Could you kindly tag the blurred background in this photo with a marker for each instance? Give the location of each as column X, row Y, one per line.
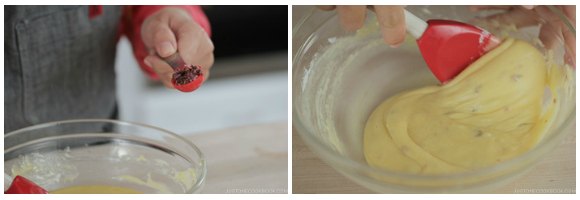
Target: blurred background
column 248, row 82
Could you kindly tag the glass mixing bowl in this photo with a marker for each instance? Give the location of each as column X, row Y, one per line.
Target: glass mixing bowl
column 331, row 102
column 91, row 152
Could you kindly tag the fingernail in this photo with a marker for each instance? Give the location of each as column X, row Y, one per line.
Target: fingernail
column 529, row 7
column 393, row 36
column 166, row 49
column 396, row 45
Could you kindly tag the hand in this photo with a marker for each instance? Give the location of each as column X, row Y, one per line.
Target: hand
column 550, row 26
column 171, row 30
column 391, row 20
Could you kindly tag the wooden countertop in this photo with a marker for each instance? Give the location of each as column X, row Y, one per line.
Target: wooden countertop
column 250, row 159
column 556, row 173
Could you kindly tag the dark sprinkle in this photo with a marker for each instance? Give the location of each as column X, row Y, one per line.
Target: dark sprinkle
column 186, row 75
column 479, row 133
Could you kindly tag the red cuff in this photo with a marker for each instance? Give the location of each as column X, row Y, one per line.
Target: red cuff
column 133, row 19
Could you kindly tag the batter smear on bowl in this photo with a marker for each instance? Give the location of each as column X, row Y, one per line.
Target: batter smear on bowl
column 496, row 109
column 96, row 189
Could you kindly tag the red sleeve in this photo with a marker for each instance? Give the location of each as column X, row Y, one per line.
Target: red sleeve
column 133, row 17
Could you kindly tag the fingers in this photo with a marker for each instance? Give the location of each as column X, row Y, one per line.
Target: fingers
column 195, row 46
column 552, row 27
column 173, row 30
column 164, row 42
column 392, row 23
column 570, row 47
column 476, row 8
column 570, row 12
column 518, row 16
column 529, row 7
column 161, row 68
column 326, row 7
column 159, row 36
column 549, row 35
column 550, row 30
column 391, row 19
column 351, row 17
column 569, row 37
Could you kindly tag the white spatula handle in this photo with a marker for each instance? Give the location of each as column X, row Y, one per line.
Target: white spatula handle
column 415, row 25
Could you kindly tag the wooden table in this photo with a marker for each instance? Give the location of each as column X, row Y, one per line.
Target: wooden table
column 556, row 173
column 251, row 159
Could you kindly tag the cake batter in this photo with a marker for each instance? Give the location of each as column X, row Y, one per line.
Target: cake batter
column 56, row 168
column 491, row 112
column 95, row 189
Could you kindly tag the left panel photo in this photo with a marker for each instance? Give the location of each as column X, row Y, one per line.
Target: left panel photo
column 145, row 99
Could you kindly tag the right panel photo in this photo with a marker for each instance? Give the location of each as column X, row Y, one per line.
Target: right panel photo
column 433, row 99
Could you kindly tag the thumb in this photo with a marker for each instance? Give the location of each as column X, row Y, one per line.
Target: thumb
column 163, row 39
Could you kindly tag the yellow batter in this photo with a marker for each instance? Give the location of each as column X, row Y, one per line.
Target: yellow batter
column 489, row 113
column 95, row 189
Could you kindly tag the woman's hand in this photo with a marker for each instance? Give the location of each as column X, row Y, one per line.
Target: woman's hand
column 550, row 24
column 172, row 30
column 391, row 20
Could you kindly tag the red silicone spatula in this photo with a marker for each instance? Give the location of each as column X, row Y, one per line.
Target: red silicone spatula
column 448, row 46
column 21, row 185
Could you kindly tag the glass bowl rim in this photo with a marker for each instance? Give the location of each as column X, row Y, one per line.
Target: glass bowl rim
column 345, row 161
column 199, row 182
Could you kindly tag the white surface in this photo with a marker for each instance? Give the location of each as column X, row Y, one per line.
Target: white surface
column 218, row 104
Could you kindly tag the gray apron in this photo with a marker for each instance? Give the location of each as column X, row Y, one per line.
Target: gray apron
column 59, row 64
